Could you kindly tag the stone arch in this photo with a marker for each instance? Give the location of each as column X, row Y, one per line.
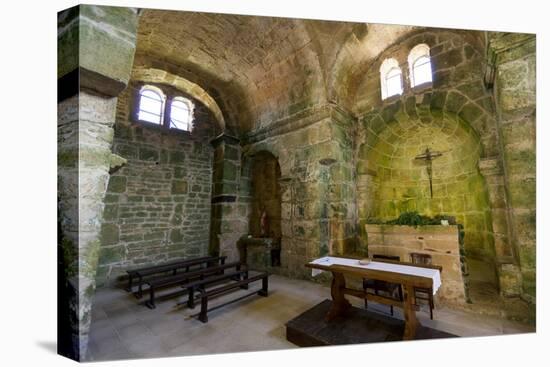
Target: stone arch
column 259, row 148
column 391, row 181
column 153, row 75
column 456, row 57
column 261, row 68
column 473, row 114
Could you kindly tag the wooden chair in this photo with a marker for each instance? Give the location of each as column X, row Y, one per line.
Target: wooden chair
column 424, row 294
column 392, row 289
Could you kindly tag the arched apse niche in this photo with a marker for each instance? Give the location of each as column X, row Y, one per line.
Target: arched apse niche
column 396, row 182
column 457, row 92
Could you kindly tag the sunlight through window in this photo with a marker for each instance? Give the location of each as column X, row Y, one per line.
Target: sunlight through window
column 390, row 78
column 420, row 66
column 181, row 114
column 150, row 105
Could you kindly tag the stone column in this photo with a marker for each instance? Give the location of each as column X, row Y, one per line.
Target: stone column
column 227, row 225
column 96, row 47
column 507, row 267
column 514, row 59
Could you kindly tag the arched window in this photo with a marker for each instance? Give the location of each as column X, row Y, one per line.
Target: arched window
column 151, row 105
column 420, row 66
column 390, row 78
column 181, row 114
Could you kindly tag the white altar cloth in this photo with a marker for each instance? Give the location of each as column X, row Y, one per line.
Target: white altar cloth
column 375, row 265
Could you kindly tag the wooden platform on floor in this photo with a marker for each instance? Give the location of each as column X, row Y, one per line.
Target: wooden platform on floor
column 359, row 326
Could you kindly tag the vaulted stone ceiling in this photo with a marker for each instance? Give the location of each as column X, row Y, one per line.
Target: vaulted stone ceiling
column 262, row 69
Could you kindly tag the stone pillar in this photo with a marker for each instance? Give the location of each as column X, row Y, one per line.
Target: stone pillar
column 514, row 59
column 508, row 270
column 227, row 225
column 96, row 47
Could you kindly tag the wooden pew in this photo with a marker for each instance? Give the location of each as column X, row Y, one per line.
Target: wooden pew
column 201, row 284
column 172, row 266
column 183, row 278
column 205, row 295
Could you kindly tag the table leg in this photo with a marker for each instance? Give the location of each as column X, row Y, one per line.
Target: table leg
column 339, row 303
column 411, row 322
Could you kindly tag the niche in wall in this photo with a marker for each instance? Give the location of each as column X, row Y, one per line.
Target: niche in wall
column 266, row 195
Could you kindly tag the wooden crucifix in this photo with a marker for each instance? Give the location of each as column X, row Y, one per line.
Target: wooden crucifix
column 428, row 156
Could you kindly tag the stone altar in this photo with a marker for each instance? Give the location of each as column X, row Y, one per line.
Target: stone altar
column 442, row 243
column 260, row 253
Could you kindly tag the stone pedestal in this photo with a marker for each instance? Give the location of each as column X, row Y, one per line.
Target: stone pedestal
column 442, row 243
column 260, row 253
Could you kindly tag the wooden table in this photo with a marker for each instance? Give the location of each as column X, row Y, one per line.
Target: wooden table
column 338, row 290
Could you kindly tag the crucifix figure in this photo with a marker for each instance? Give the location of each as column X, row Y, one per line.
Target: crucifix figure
column 428, row 156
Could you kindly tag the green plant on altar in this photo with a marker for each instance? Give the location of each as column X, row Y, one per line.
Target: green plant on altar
column 414, row 219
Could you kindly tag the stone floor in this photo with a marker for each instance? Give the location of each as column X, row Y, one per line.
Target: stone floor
column 123, row 329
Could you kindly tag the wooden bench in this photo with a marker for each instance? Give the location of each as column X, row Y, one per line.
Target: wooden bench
column 173, row 267
column 205, row 295
column 183, row 278
column 201, row 284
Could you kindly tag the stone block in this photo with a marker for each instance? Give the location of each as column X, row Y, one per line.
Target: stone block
column 470, row 112
column 112, row 254
column 148, row 154
column 106, row 32
column 229, row 171
column 447, row 59
column 179, row 187
column 523, row 192
column 509, row 280
column 176, row 235
column 177, row 157
column 127, row 151
column 68, row 41
column 117, row 184
column 454, row 102
column 110, row 212
column 521, row 161
column 231, row 153
column 109, row 233
column 180, row 172
column 529, row 283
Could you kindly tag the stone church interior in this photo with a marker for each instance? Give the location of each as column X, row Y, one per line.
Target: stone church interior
column 295, row 182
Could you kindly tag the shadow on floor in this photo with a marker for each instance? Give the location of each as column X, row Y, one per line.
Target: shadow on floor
column 48, row 345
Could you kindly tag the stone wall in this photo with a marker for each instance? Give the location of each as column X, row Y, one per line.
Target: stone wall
column 157, row 206
column 317, row 190
column 514, row 57
column 454, row 115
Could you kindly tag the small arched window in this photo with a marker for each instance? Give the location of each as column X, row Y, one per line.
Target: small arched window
column 181, row 114
column 420, row 66
column 151, row 105
column 390, row 78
